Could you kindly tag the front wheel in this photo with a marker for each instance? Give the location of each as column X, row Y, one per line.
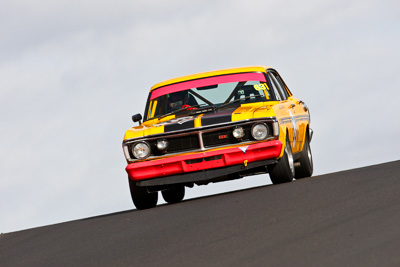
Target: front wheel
column 174, row 194
column 142, row 198
column 283, row 171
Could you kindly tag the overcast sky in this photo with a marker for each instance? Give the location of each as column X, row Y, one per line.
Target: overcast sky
column 72, row 73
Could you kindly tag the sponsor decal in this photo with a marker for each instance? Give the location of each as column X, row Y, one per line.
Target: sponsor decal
column 224, row 136
column 183, row 120
column 177, row 124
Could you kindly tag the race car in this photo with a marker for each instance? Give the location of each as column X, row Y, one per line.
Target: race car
column 216, row 126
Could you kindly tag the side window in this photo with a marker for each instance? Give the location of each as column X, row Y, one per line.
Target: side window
column 277, row 92
column 279, row 86
column 279, row 79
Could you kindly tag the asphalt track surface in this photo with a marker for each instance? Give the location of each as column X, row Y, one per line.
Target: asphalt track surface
column 349, row 218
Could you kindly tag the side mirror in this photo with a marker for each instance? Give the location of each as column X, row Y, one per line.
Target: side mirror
column 137, row 117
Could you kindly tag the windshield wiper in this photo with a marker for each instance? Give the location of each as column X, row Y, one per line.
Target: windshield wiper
column 177, row 111
column 202, row 110
column 237, row 100
column 195, row 111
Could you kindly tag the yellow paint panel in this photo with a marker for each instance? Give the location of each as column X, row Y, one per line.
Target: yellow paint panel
column 282, row 137
column 197, row 121
column 141, row 131
column 153, row 111
column 264, row 111
column 243, row 113
column 253, row 110
column 154, row 130
column 134, row 132
column 149, row 110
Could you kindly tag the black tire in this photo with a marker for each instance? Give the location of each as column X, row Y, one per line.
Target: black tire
column 174, row 194
column 141, row 197
column 283, row 171
column 306, row 167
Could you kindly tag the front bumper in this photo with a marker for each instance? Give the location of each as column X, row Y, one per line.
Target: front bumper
column 175, row 165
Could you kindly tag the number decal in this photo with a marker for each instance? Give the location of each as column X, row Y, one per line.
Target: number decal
column 261, row 86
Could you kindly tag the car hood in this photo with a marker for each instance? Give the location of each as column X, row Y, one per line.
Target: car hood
column 172, row 124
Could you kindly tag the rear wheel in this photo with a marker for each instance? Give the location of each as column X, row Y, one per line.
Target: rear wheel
column 142, row 198
column 283, row 171
column 306, row 162
column 174, row 194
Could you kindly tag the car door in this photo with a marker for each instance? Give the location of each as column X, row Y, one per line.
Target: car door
column 298, row 113
column 287, row 109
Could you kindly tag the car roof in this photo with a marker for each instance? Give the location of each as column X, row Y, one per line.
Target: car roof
column 210, row 74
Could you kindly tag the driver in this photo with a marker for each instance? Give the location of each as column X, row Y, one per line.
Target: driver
column 179, row 100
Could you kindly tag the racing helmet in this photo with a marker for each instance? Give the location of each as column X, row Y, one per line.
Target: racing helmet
column 177, row 99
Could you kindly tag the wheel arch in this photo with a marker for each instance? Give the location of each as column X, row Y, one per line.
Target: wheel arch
column 283, row 134
column 303, row 136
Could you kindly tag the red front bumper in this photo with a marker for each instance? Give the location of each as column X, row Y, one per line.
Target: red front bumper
column 204, row 160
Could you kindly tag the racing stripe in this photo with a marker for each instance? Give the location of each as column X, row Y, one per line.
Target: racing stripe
column 217, row 117
column 179, row 125
column 296, row 118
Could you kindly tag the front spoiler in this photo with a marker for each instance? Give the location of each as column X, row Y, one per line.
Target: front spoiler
column 195, row 163
column 204, row 176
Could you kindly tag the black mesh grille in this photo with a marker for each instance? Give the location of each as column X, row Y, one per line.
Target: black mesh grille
column 176, row 144
column 224, row 137
column 183, row 143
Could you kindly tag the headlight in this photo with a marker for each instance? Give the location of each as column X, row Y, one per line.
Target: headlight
column 238, row 132
column 162, row 144
column 259, row 131
column 141, row 150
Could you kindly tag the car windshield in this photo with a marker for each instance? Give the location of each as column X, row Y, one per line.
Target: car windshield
column 207, row 94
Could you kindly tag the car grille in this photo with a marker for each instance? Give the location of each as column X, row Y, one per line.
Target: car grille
column 177, row 144
column 210, row 138
column 183, row 143
column 224, row 137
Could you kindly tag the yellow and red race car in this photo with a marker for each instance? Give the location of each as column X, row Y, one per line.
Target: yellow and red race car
column 216, row 126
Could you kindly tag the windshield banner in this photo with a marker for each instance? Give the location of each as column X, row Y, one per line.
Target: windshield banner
column 240, row 77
